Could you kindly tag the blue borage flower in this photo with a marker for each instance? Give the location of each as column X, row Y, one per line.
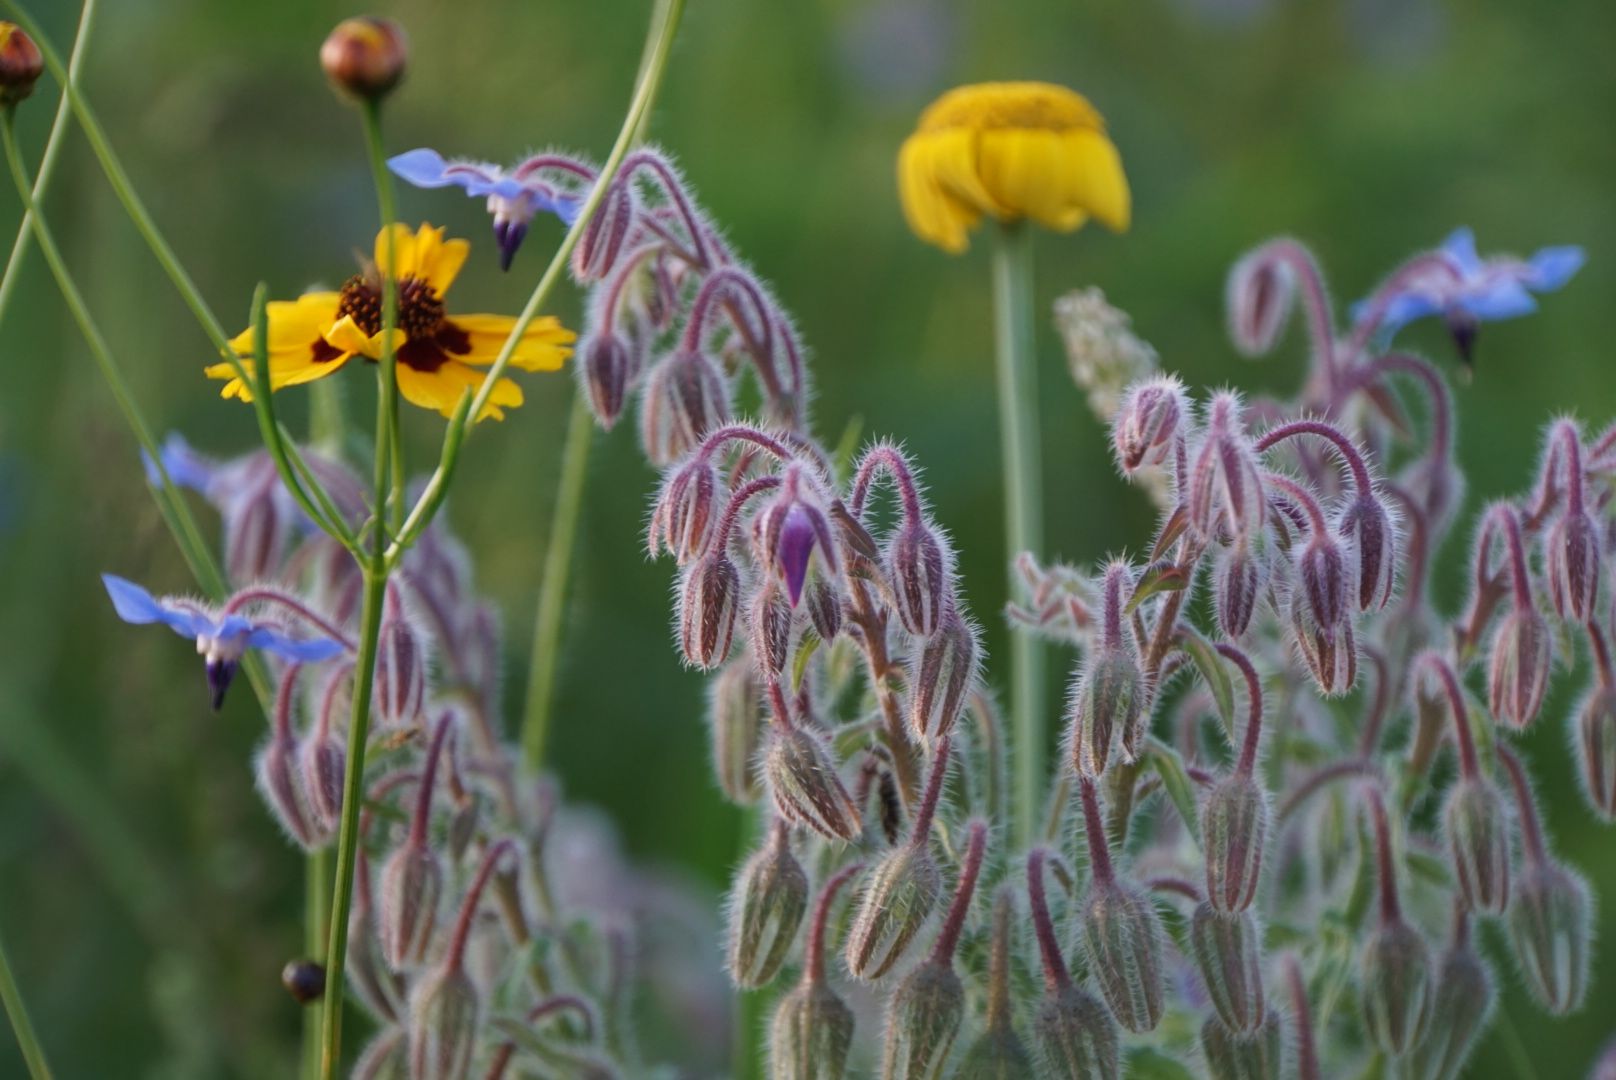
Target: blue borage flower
column 1466, row 289
column 514, row 195
column 221, row 637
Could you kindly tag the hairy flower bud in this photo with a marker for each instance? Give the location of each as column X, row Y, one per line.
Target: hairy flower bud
column 787, row 533
column 280, row 784
column 1226, row 493
column 1595, row 742
column 684, row 397
column 900, row 893
column 1122, row 936
column 1367, row 528
column 1331, row 653
column 1228, row 954
column 1460, row 1009
column 1477, row 825
column 365, row 56
column 922, row 1021
column 824, row 609
column 1259, row 297
column 1234, row 830
column 766, row 908
column 1321, row 567
column 922, row 580
column 400, row 686
column 411, row 884
column 1395, row 987
column 385, row 1057
column 806, row 788
column 769, row 627
column 709, row 600
column 734, row 713
column 1573, row 550
column 606, row 370
column 1237, row 581
column 1549, row 929
column 1076, row 1036
column 602, row 240
column 323, row 762
column 255, row 533
column 996, row 1054
column 811, row 1034
column 370, row 977
column 687, row 511
column 445, row 1012
column 1148, row 422
column 945, row 676
column 1109, row 703
column 20, row 64
column 1518, row 667
column 1231, row 1056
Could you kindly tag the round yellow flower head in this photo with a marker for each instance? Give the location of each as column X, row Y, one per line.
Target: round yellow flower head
column 439, row 353
column 1009, row 150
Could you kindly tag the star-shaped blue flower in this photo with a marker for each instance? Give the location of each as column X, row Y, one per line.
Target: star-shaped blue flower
column 513, row 197
column 221, row 640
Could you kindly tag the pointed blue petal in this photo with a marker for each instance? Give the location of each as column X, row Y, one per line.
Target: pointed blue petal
column 1460, row 246
column 424, row 168
column 304, row 650
column 135, row 605
column 1552, row 267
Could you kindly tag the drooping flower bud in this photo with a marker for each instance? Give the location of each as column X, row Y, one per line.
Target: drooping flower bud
column 1321, row 568
column 922, row 579
column 1460, row 1010
column 412, row 876
column 1237, row 582
column 766, row 908
column 790, row 530
column 806, row 787
column 824, row 609
column 769, row 628
column 685, row 396
column 255, row 532
column 1518, row 667
column 998, row 1053
column 1108, row 702
column 385, row 1057
column 948, row 669
column 1477, row 826
column 1234, row 831
column 1331, row 653
column 602, row 241
column 1548, row 928
column 1395, row 987
column 323, row 763
column 1259, row 297
column 709, row 600
column 444, row 1014
column 1226, row 492
column 20, row 64
column 1573, row 566
column 687, row 511
column 1148, row 422
column 1231, row 1056
column 370, row 977
column 812, row 1030
column 606, row 370
column 1370, row 535
column 365, row 56
column 1229, row 956
column 1120, row 930
column 735, row 717
column 280, row 784
column 400, row 686
column 1076, row 1036
column 901, row 891
column 1595, row 742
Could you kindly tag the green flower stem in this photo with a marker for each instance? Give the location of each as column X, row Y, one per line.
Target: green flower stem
column 389, row 446
column 316, row 871
column 553, row 583
column 47, row 161
column 651, row 78
column 281, row 451
column 32, row 1053
column 1023, row 491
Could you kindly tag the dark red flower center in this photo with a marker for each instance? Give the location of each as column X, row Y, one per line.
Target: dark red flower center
column 432, row 339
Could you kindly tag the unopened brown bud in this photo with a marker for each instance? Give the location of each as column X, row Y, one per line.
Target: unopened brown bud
column 947, row 672
column 1076, row 1036
column 1459, row 1013
column 20, row 64
column 1229, row 955
column 1395, row 987
column 411, row 885
column 734, row 713
column 445, row 1013
column 1122, row 935
column 769, row 627
column 824, row 609
column 1108, row 705
column 1596, row 749
column 1234, row 830
column 1478, row 837
column 766, row 908
column 1548, row 927
column 806, row 787
column 365, row 56
column 709, row 601
column 922, row 1022
column 899, row 896
column 811, row 1034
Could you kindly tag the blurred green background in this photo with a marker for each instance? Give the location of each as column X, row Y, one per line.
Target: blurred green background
column 147, row 900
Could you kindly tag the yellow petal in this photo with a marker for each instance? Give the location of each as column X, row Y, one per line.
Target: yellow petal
column 345, row 334
column 446, row 264
column 402, row 264
column 285, row 369
column 293, row 323
column 543, row 346
column 932, row 216
column 441, row 389
column 1102, row 188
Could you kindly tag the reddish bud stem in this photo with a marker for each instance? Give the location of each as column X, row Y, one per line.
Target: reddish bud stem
column 934, row 791
column 1531, row 825
column 948, row 938
column 1391, row 909
column 1094, row 828
column 456, row 954
column 1307, row 1054
column 1468, row 764
column 1343, row 445
column 1056, row 975
column 813, row 957
column 1248, row 746
column 429, row 779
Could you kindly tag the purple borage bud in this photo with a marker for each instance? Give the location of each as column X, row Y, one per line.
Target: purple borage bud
column 998, row 1053
column 735, row 716
column 1394, row 966
column 766, row 908
column 1238, row 577
column 921, row 572
column 607, row 368
column 1074, row 1032
column 1260, row 293
column 812, row 1030
column 685, row 395
column 710, row 598
column 1460, row 1008
column 802, row 776
column 1226, row 494
column 685, row 513
column 222, row 637
column 1147, row 425
column 1120, row 931
column 1595, row 736
column 400, row 683
column 1228, row 955
column 1234, row 814
column 1572, row 546
column 948, row 671
column 790, row 530
column 769, row 627
column 1519, row 657
column 412, row 877
column 603, row 238
column 1110, row 698
column 824, row 609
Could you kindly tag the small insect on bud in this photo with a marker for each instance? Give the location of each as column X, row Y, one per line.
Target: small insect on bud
column 1331, row 653
column 1367, row 529
column 1259, row 298
column 1231, row 1056
column 806, row 787
column 709, row 600
column 445, row 1012
column 1595, row 741
column 684, row 397
column 20, row 64
column 1518, row 667
column 1148, row 422
column 824, row 609
column 1477, row 825
column 735, row 717
column 1237, row 581
column 1228, row 954
column 1226, row 497
column 304, row 980
column 1548, row 927
column 602, row 241
column 1076, row 1036
column 400, row 687
column 1395, row 986
column 769, row 627
column 365, row 56
column 1234, row 830
column 1462, row 1005
column 945, row 677
column 922, row 579
column 686, row 511
column 766, row 908
column 607, row 368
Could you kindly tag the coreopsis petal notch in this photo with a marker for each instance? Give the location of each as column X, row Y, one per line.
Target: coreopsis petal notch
column 440, row 356
column 1010, row 151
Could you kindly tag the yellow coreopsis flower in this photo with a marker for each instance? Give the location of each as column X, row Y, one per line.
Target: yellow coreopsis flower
column 438, row 354
column 1010, row 151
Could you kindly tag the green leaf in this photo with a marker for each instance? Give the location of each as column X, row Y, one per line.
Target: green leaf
column 1423, row 864
column 1148, row 1063
column 1214, row 674
column 1158, row 577
column 1176, row 782
column 805, row 651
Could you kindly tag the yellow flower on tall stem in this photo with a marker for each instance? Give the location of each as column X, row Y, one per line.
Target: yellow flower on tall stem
column 1014, row 152
column 438, row 355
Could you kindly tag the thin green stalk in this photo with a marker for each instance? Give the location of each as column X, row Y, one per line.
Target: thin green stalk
column 11, row 997
column 316, row 871
column 47, row 160
column 639, row 107
column 1023, row 491
column 389, row 446
column 553, row 585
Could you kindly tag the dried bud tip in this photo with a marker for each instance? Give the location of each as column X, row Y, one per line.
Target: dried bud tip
column 365, row 56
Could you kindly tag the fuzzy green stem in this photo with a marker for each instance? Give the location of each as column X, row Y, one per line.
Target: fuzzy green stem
column 1023, row 489
column 27, row 1041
